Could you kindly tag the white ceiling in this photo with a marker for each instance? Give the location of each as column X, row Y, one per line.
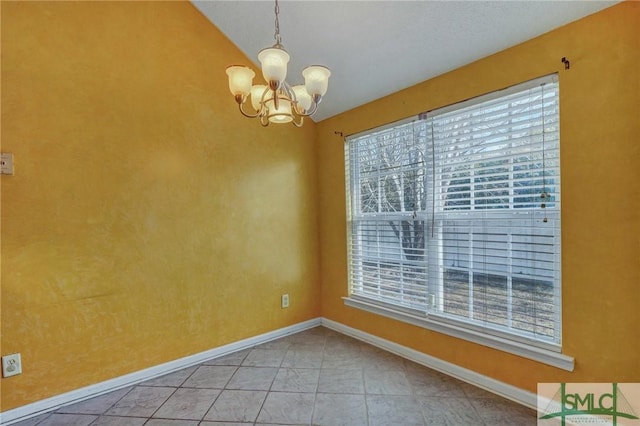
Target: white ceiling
column 375, row 48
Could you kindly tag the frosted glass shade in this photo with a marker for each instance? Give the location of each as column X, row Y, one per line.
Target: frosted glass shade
column 282, row 114
column 316, row 79
column 303, row 98
column 240, row 79
column 274, row 64
column 256, row 95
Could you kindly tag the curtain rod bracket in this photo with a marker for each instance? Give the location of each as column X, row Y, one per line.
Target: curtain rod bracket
column 566, row 63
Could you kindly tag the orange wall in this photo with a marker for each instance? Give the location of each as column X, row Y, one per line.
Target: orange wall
column 600, row 154
column 147, row 219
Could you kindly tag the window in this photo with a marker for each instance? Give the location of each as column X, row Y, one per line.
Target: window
column 454, row 217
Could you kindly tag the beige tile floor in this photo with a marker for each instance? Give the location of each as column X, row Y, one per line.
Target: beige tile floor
column 316, row 377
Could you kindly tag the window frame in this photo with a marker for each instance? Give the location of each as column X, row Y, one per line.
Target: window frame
column 548, row 352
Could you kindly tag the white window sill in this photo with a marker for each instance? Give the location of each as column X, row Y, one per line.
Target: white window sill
column 544, row 356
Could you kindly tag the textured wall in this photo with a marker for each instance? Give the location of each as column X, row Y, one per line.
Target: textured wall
column 600, row 154
column 147, row 220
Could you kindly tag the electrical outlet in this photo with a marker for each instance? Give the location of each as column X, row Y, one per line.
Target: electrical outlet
column 6, row 163
column 11, row 365
column 285, row 301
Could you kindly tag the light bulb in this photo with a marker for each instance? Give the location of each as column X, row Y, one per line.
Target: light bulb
column 240, row 79
column 256, row 95
column 274, row 65
column 316, row 79
column 282, row 114
column 303, row 98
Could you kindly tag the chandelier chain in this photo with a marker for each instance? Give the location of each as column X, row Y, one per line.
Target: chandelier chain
column 276, row 36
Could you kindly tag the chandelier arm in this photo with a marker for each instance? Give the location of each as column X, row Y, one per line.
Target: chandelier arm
column 265, row 92
column 291, row 97
column 314, row 107
column 276, row 100
column 245, row 114
column 298, row 124
column 288, row 91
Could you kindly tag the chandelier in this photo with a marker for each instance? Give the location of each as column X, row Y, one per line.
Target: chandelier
column 277, row 101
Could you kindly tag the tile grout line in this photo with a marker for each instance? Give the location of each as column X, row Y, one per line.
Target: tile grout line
column 175, row 391
column 237, row 367
column 111, row 406
column 315, row 394
column 255, row 421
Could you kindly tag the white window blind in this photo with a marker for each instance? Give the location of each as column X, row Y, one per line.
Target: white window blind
column 388, row 175
column 456, row 215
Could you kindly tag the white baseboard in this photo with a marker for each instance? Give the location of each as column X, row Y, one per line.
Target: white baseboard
column 55, row 402
column 505, row 390
column 520, row 396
